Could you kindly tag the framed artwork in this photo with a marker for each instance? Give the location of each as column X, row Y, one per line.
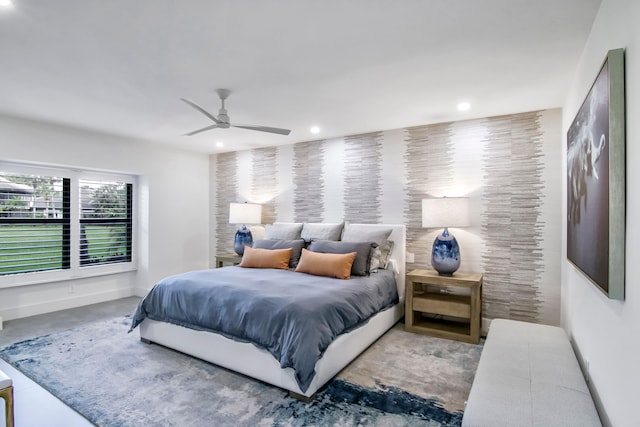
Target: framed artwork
column 596, row 181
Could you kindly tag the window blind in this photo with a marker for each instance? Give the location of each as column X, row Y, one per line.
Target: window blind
column 34, row 223
column 105, row 222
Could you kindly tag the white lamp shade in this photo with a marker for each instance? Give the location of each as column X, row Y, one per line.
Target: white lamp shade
column 445, row 212
column 245, row 213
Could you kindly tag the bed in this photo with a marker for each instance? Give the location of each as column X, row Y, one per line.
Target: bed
column 257, row 360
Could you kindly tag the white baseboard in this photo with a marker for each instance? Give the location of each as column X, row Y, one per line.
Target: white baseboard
column 63, row 304
column 140, row 292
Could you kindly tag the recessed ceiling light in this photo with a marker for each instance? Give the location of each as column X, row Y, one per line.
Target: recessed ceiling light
column 314, row 129
column 219, row 144
column 464, row 106
column 5, row 3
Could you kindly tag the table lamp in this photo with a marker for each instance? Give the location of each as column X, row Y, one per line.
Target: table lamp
column 244, row 213
column 445, row 212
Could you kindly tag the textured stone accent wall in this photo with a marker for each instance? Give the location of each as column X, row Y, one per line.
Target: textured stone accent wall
column 226, row 170
column 511, row 225
column 499, row 163
column 308, row 181
column 363, row 185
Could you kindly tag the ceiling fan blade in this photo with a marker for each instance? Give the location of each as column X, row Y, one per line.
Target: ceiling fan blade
column 201, row 130
column 202, row 110
column 264, row 129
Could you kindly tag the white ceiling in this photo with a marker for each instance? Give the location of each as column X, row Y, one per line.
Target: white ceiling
column 120, row 66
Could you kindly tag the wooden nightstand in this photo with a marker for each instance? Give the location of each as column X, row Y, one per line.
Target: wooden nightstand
column 232, row 259
column 431, row 309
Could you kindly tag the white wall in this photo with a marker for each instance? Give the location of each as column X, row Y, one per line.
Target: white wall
column 606, row 333
column 173, row 208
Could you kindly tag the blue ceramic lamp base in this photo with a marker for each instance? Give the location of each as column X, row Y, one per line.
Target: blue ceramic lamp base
column 243, row 238
column 445, row 258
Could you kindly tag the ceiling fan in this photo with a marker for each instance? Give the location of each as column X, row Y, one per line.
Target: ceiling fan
column 222, row 121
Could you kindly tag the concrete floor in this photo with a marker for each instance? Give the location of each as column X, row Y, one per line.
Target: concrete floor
column 33, row 405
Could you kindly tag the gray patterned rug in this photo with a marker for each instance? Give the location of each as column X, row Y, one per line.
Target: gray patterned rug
column 113, row 379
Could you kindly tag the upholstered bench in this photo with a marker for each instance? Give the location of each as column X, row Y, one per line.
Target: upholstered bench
column 6, row 393
column 528, row 375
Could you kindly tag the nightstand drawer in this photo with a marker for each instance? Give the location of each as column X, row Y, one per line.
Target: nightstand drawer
column 449, row 305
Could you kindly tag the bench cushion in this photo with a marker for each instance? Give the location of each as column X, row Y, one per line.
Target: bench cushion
column 528, row 375
column 5, row 381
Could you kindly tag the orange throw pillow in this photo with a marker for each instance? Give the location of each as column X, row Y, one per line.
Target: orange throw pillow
column 266, row 258
column 330, row 265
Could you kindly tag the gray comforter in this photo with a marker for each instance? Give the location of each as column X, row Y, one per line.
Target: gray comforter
column 294, row 316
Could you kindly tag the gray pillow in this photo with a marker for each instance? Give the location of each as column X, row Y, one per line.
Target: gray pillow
column 296, row 245
column 283, row 231
column 363, row 250
column 381, row 254
column 322, row 231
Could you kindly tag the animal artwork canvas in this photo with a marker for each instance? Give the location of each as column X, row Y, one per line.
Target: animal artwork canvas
column 590, row 207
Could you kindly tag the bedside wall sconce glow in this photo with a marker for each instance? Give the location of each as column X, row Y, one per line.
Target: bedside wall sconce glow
column 244, row 213
column 445, row 212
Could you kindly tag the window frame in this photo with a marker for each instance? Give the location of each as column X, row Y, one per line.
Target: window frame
column 75, row 270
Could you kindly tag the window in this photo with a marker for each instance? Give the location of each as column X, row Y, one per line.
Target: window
column 58, row 224
column 105, row 222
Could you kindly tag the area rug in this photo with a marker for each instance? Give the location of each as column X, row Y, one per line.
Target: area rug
column 113, row 379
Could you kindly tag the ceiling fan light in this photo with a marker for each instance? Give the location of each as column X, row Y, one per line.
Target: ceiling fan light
column 314, row 130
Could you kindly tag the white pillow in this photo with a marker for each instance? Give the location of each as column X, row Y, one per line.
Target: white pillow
column 321, row 231
column 283, row 231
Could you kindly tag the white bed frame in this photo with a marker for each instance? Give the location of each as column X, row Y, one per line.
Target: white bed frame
column 250, row 360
